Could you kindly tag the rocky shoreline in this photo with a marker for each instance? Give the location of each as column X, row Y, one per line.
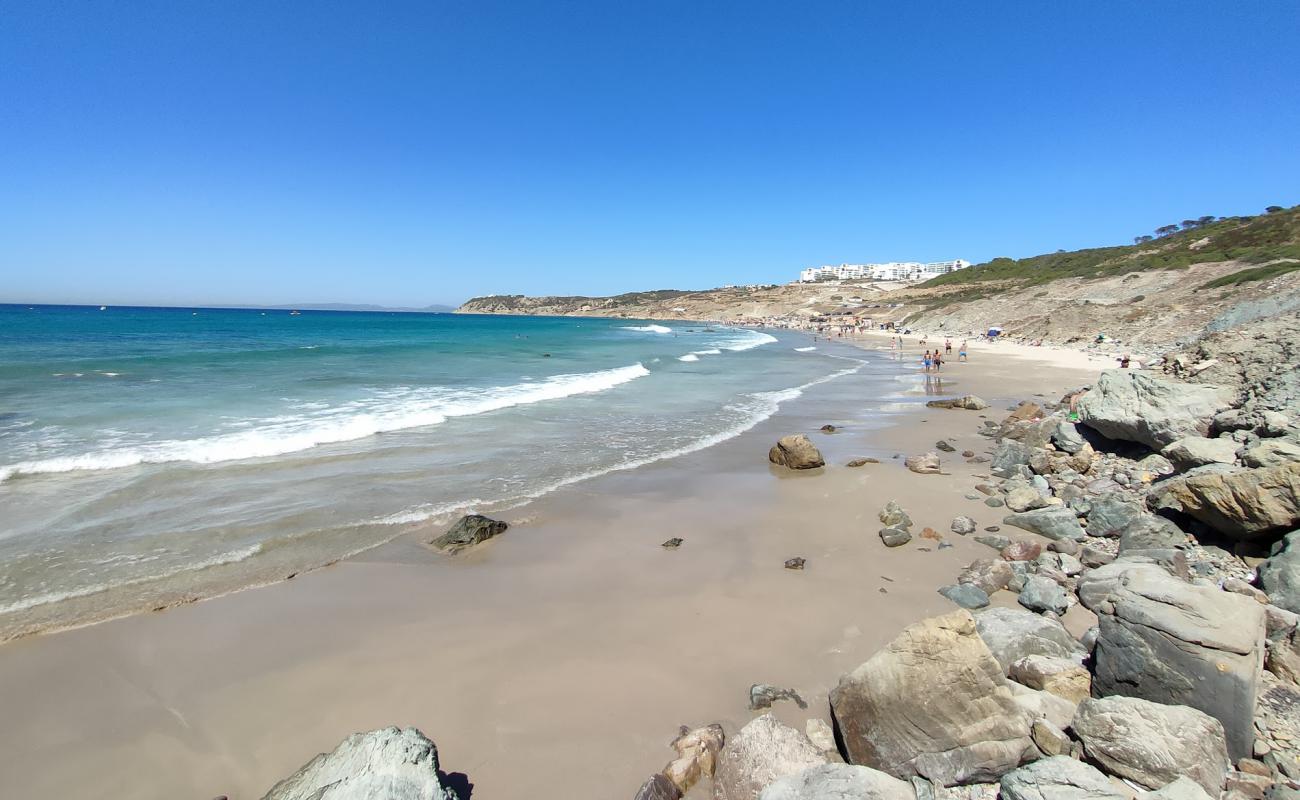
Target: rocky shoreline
column 1164, row 509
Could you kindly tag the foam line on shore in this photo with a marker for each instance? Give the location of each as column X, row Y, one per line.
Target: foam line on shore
column 387, row 412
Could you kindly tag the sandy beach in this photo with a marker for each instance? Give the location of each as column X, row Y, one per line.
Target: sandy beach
column 559, row 659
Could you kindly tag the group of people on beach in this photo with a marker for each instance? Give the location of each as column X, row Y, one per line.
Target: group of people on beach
column 934, row 360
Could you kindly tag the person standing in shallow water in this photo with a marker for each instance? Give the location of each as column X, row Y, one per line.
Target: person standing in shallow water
column 947, row 347
column 961, row 354
column 938, row 360
column 925, row 359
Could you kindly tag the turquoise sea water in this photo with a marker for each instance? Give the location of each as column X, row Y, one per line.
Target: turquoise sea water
column 140, row 446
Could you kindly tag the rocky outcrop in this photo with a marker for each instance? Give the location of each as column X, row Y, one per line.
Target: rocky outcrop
column 1180, row 789
column 1196, row 451
column 1280, row 574
column 1053, row 523
column 468, row 531
column 658, row 787
column 1012, row 634
column 1153, row 743
column 1063, row 677
column 839, row 782
column 934, row 704
column 1109, row 516
column 760, row 753
column 987, row 574
column 390, row 763
column 1009, row 457
column 796, row 452
column 697, row 756
column 1041, row 593
column 1169, row 641
column 1243, row 504
column 1058, row 778
column 1136, row 407
column 969, row 402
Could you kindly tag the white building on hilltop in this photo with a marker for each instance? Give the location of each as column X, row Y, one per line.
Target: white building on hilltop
column 890, row 271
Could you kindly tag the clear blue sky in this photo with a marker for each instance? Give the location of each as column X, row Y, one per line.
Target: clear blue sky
column 410, row 153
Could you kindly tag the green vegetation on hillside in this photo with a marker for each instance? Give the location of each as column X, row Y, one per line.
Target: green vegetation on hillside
column 1267, row 237
column 522, row 302
column 1252, row 274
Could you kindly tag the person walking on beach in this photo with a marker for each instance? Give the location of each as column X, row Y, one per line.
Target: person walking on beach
column 925, row 359
column 938, row 360
column 947, row 347
column 961, row 353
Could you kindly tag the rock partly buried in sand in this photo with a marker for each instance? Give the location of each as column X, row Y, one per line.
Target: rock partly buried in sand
column 944, row 446
column 761, row 696
column 795, row 563
column 392, row 763
column 1280, row 574
column 1169, row 641
column 658, row 787
column 1153, row 743
column 895, row 536
column 1242, row 504
column 966, row 595
column 962, row 525
column 858, row 462
column 796, row 452
column 839, row 782
column 893, row 515
column 697, row 756
column 672, row 544
column 927, row 464
column 933, row 704
column 759, row 754
column 1136, row 407
column 968, row 402
column 468, row 531
column 828, row 429
column 1058, row 778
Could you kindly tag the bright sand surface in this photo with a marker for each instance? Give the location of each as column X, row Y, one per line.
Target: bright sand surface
column 556, row 661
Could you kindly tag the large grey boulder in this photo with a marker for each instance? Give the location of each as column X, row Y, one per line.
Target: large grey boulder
column 1169, row 641
column 468, row 531
column 1013, row 633
column 1109, row 515
column 1271, row 453
column 1242, row 503
column 1153, row 743
column 1149, row 532
column 1136, row 407
column 796, row 452
column 760, row 753
column 1043, row 594
column 390, row 763
column 1053, row 523
column 1280, row 574
column 933, row 704
column 1196, row 451
column 839, row 782
column 1058, row 778
column 1008, row 457
column 1067, row 438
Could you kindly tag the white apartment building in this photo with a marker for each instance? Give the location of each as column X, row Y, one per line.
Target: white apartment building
column 890, row 271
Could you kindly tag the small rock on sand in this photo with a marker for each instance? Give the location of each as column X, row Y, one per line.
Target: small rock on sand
column 795, row 563
column 468, row 531
column 761, row 696
column 673, row 543
column 927, row 464
column 858, row 462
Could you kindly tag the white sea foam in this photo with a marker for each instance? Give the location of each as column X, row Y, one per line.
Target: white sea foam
column 754, row 339
column 804, row 349
column 688, row 357
column 759, row 407
column 648, row 328
column 711, row 352
column 392, row 410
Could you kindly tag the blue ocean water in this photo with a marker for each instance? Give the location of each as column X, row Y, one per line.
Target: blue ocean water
column 139, row 446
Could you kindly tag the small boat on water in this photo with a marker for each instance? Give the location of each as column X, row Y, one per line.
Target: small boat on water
column 103, row 308
column 295, row 313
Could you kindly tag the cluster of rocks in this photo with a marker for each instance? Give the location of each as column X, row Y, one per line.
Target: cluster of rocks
column 1186, row 686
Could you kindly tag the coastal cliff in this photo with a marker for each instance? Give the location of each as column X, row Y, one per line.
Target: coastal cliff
column 1147, row 297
